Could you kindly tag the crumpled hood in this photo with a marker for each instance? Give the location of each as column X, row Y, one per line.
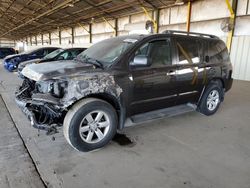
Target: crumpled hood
column 50, row 70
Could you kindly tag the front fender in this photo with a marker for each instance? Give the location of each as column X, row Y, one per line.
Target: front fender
column 81, row 87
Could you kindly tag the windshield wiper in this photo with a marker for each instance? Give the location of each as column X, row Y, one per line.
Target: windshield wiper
column 90, row 60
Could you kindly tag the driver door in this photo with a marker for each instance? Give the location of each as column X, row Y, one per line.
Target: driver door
column 153, row 83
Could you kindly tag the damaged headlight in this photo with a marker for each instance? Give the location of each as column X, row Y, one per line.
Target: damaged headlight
column 59, row 88
column 54, row 87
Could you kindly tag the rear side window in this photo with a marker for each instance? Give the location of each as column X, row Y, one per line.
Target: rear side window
column 188, row 50
column 51, row 50
column 39, row 52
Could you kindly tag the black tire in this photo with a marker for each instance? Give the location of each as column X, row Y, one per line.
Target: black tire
column 76, row 115
column 203, row 106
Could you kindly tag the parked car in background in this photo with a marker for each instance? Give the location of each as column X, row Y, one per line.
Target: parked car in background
column 124, row 81
column 59, row 54
column 5, row 51
column 11, row 62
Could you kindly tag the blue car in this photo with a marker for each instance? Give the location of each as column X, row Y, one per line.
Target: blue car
column 11, row 62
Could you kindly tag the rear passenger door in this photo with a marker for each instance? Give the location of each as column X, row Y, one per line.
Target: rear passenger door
column 190, row 74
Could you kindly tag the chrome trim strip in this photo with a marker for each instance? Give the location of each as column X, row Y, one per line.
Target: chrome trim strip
column 187, row 93
column 154, row 99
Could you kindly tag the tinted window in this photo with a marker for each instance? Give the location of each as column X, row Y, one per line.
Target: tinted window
column 158, row 52
column 39, row 52
column 51, row 50
column 188, row 50
column 217, row 51
column 53, row 54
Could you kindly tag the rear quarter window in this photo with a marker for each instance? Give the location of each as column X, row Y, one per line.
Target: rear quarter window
column 217, row 51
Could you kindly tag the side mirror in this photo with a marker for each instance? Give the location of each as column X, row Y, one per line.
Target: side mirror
column 140, row 61
column 207, row 58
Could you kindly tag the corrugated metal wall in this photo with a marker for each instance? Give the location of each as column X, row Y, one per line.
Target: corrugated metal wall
column 240, row 57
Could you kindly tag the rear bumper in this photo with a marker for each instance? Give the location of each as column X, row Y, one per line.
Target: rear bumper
column 228, row 84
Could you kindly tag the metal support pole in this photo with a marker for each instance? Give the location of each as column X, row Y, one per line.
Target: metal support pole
column 73, row 35
column 42, row 38
column 189, row 6
column 157, row 19
column 232, row 10
column 60, row 37
column 90, row 33
column 113, row 27
column 116, row 27
column 30, row 41
column 49, row 38
column 83, row 27
column 150, row 17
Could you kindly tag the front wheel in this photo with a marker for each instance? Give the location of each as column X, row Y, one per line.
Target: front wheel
column 90, row 124
column 211, row 99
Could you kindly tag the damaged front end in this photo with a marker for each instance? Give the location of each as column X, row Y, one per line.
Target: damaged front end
column 46, row 102
column 40, row 104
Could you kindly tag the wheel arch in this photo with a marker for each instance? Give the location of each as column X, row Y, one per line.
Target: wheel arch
column 215, row 80
column 114, row 101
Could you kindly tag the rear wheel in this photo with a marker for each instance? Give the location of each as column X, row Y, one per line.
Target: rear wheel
column 90, row 124
column 211, row 99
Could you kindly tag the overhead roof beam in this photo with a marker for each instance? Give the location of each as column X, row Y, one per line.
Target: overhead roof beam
column 94, row 14
column 56, row 8
column 6, row 10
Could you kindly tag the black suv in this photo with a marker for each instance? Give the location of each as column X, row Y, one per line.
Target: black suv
column 123, row 81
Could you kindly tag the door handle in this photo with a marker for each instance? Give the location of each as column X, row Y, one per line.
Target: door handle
column 170, row 73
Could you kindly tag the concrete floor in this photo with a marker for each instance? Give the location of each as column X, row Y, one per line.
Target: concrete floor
column 191, row 150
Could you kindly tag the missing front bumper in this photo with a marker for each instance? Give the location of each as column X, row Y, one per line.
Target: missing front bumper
column 50, row 128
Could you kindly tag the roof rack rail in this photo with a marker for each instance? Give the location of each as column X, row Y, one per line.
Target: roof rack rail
column 189, row 33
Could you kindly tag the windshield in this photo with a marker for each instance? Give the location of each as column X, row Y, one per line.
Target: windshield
column 53, row 54
column 106, row 51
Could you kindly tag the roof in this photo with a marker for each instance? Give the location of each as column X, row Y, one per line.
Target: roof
column 21, row 18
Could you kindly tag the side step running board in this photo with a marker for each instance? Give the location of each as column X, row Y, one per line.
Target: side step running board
column 157, row 114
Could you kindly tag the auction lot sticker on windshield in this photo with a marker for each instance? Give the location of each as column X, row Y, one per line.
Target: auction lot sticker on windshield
column 130, row 40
